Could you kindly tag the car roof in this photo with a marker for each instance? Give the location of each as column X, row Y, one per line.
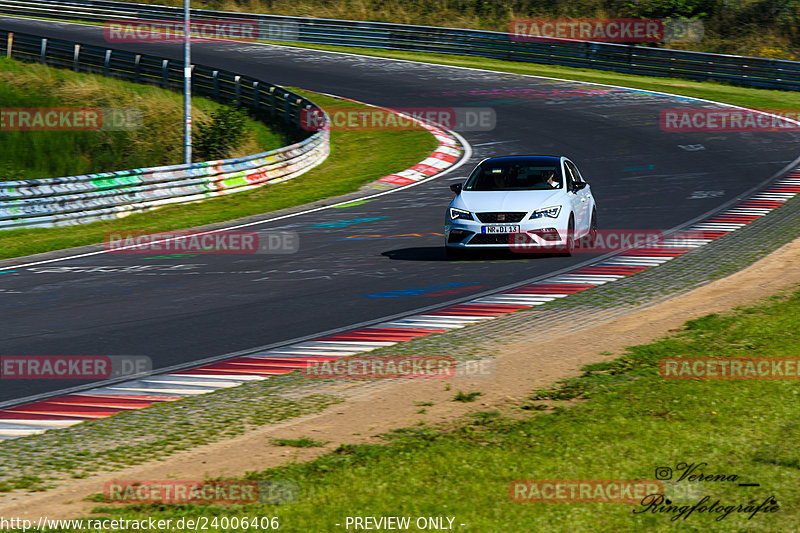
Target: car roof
column 524, row 159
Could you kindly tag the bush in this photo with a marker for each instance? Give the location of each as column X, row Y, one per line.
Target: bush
column 218, row 137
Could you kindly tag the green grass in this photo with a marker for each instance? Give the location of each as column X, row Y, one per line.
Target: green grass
column 467, row 397
column 302, row 442
column 357, row 157
column 157, row 141
column 630, row 422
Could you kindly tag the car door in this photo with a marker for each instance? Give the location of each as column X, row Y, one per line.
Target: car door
column 574, row 199
column 584, row 199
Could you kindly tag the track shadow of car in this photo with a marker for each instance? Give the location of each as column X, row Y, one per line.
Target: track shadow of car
column 420, row 253
column 437, row 253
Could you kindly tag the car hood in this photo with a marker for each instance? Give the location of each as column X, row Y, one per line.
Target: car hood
column 481, row 201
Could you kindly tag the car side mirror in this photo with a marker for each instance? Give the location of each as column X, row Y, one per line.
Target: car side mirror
column 579, row 186
column 456, row 188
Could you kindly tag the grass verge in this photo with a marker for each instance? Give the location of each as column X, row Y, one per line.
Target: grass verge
column 619, row 420
column 156, row 141
column 357, row 157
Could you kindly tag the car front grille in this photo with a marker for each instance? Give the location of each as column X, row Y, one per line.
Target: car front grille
column 494, row 217
column 490, row 238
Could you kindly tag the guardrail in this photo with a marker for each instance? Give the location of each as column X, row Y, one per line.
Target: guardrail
column 80, row 199
column 650, row 61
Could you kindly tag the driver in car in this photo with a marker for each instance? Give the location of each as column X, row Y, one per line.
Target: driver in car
column 550, row 178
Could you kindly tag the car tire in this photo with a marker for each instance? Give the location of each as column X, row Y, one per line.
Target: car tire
column 593, row 227
column 566, row 250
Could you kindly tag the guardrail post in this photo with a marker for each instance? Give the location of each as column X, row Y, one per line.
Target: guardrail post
column 287, row 107
column 10, row 44
column 43, row 52
column 136, row 63
column 273, row 107
column 165, row 73
column 592, row 52
column 237, row 84
column 256, row 94
column 107, row 64
column 273, row 101
column 215, row 78
column 75, row 56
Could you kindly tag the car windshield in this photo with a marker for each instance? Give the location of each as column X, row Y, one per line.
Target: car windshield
column 514, row 176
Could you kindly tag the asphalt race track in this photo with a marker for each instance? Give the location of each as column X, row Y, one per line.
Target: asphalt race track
column 187, row 308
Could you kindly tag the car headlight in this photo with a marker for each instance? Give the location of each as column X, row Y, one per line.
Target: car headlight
column 551, row 212
column 456, row 214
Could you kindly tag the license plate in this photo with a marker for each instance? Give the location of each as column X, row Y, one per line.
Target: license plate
column 500, row 229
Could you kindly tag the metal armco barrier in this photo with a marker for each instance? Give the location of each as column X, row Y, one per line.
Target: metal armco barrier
column 746, row 71
column 79, row 199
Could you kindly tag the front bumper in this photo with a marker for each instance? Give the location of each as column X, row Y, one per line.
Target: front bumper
column 535, row 235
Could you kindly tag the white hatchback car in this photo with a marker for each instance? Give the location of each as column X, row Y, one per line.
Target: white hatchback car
column 525, row 203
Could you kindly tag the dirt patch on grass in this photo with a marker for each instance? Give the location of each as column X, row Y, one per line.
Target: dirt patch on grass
column 522, row 366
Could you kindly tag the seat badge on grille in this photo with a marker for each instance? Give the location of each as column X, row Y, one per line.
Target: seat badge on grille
column 501, row 217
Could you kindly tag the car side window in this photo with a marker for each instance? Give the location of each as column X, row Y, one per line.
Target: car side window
column 569, row 176
column 575, row 172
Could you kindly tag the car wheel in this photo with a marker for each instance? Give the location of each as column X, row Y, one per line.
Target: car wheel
column 570, row 245
column 593, row 227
